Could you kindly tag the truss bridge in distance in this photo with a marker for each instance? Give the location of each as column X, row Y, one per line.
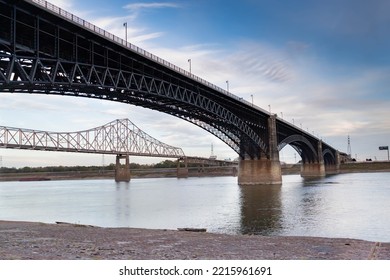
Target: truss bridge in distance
column 120, row 137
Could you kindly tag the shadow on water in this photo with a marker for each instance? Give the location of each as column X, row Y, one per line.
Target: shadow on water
column 261, row 209
column 319, row 181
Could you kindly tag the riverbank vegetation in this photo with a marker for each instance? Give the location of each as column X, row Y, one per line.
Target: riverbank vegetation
column 26, row 169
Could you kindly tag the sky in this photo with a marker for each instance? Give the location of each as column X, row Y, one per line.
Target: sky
column 324, row 65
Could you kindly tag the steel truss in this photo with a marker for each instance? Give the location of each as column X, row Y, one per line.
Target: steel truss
column 117, row 137
column 44, row 49
column 50, row 76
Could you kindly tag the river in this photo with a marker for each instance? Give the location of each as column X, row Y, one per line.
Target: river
column 354, row 205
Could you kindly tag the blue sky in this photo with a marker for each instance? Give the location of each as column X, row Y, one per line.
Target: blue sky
column 323, row 64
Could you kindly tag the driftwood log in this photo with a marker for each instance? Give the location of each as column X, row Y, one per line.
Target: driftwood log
column 192, row 229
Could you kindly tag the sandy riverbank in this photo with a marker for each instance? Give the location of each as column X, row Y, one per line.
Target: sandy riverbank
column 25, row 240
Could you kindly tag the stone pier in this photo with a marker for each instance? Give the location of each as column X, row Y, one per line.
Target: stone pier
column 317, row 168
column 182, row 168
column 265, row 170
column 122, row 172
column 333, row 168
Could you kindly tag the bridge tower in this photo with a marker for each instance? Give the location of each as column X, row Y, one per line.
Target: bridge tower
column 264, row 170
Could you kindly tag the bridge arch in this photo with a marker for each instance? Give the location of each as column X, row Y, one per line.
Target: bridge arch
column 141, row 90
column 302, row 145
column 329, row 157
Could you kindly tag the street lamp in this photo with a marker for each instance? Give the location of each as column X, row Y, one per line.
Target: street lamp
column 227, row 86
column 252, row 98
column 189, row 61
column 125, row 25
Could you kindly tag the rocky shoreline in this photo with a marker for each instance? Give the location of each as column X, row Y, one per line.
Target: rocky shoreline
column 39, row 241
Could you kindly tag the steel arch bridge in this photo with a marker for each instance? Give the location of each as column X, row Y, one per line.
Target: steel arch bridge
column 47, row 50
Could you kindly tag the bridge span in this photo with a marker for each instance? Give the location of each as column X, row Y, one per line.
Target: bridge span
column 47, row 50
column 120, row 137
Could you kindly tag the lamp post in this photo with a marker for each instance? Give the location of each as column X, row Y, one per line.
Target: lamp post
column 125, row 25
column 227, row 86
column 189, row 62
column 252, row 98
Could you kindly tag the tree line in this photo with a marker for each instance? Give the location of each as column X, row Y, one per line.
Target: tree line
column 26, row 169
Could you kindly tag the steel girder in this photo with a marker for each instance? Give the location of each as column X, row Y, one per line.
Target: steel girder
column 49, row 76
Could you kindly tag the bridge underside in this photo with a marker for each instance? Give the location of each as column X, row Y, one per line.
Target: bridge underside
column 46, row 50
column 45, row 54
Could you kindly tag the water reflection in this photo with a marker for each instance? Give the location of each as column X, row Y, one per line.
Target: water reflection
column 122, row 197
column 345, row 205
column 261, row 209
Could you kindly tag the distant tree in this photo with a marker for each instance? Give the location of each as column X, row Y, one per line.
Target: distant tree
column 166, row 164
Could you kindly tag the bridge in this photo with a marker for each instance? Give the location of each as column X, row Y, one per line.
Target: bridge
column 47, row 50
column 120, row 137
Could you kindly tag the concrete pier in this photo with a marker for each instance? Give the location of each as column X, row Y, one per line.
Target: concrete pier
column 314, row 169
column 122, row 172
column 333, row 168
column 266, row 169
column 182, row 168
column 259, row 171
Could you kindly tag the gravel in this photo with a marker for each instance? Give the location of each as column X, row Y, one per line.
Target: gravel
column 27, row 240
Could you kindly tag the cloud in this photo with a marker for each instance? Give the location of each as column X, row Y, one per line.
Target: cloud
column 156, row 5
column 263, row 62
column 64, row 4
column 135, row 33
column 324, row 97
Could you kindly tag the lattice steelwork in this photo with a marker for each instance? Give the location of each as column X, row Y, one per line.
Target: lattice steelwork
column 117, row 137
column 46, row 50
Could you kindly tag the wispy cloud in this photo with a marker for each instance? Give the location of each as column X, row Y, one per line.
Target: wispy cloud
column 64, row 4
column 136, row 34
column 155, row 5
column 329, row 100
